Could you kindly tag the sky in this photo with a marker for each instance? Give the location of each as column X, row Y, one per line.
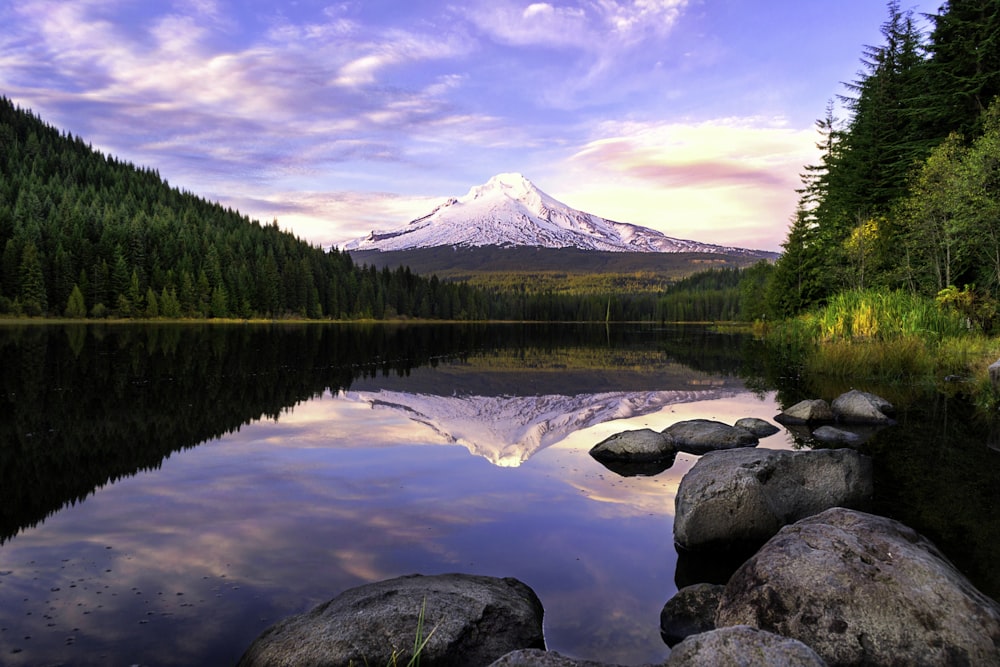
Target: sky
column 692, row 117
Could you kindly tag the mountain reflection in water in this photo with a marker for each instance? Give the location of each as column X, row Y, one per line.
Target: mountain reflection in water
column 508, row 430
column 169, row 491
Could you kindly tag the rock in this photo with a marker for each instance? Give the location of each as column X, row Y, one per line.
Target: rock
column 736, row 498
column 539, row 658
column 468, row 620
column 697, row 436
column 994, row 372
column 690, row 612
column 860, row 407
column 742, row 646
column 641, row 446
column 831, row 435
column 759, row 427
column 642, row 469
column 807, row 411
column 863, row 589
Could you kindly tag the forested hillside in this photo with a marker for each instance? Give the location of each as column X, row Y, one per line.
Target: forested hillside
column 907, row 193
column 84, row 234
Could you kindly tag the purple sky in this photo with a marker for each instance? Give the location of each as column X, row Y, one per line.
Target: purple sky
column 693, row 117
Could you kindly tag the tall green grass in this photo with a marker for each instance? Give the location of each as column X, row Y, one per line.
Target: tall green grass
column 888, row 337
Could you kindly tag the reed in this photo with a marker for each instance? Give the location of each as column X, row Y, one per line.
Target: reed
column 888, row 337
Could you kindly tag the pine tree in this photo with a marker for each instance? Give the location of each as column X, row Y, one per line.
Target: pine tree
column 32, row 294
column 76, row 306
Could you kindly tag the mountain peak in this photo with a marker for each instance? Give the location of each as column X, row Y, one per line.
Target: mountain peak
column 509, row 210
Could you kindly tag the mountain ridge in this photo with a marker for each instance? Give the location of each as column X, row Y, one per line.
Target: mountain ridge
column 510, row 211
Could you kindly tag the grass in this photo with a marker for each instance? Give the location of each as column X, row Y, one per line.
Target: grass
column 420, row 642
column 891, row 337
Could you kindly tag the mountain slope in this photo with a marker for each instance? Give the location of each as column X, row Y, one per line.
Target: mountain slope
column 509, row 211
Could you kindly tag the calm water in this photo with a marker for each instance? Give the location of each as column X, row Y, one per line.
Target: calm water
column 166, row 493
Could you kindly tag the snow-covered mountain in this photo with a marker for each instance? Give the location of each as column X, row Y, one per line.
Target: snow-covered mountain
column 510, row 211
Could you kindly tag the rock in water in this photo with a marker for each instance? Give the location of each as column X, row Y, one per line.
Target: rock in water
column 863, row 590
column 759, row 427
column 742, row 646
column 532, row 657
column 640, row 446
column 690, row 612
column 468, row 620
column 805, row 412
column 742, row 497
column 697, row 436
column 860, row 407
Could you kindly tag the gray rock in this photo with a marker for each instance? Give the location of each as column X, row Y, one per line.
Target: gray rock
column 831, row 435
column 539, row 658
column 640, row 446
column 742, row 646
column 863, row 589
column 690, row 612
column 759, row 427
column 697, row 436
column 743, row 497
column 807, row 411
column 994, row 372
column 468, row 620
column 860, row 407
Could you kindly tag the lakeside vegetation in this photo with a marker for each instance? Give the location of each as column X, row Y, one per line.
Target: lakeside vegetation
column 891, row 265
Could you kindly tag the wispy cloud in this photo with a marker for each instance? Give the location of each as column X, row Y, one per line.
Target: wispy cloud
column 733, row 177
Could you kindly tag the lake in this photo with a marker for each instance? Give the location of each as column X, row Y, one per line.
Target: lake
column 169, row 491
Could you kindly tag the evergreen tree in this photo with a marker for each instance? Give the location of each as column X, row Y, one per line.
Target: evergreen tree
column 963, row 74
column 76, row 306
column 32, row 294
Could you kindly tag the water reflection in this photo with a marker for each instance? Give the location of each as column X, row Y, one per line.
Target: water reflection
column 168, row 492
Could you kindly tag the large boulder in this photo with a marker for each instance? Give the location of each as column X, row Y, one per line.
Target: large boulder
column 742, row 646
column 698, row 436
column 690, row 612
column 639, row 446
column 467, row 620
column 742, row 497
column 863, row 589
column 806, row 412
column 860, row 407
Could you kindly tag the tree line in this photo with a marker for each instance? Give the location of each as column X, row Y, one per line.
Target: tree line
column 906, row 194
column 87, row 235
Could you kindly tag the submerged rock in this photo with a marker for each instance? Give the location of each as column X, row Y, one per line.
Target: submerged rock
column 863, row 589
column 759, row 427
column 732, row 499
column 831, row 435
column 804, row 412
column 690, row 612
column 860, row 407
column 698, row 436
column 742, row 646
column 467, row 620
column 639, row 446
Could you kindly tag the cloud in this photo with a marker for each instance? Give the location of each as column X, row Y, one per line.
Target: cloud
column 590, row 26
column 334, row 218
column 729, row 180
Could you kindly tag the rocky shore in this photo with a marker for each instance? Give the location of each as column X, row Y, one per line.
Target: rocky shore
column 824, row 582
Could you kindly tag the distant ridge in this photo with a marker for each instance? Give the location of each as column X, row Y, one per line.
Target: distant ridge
column 509, row 211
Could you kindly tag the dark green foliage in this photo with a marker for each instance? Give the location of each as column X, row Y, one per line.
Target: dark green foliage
column 135, row 247
column 902, row 196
